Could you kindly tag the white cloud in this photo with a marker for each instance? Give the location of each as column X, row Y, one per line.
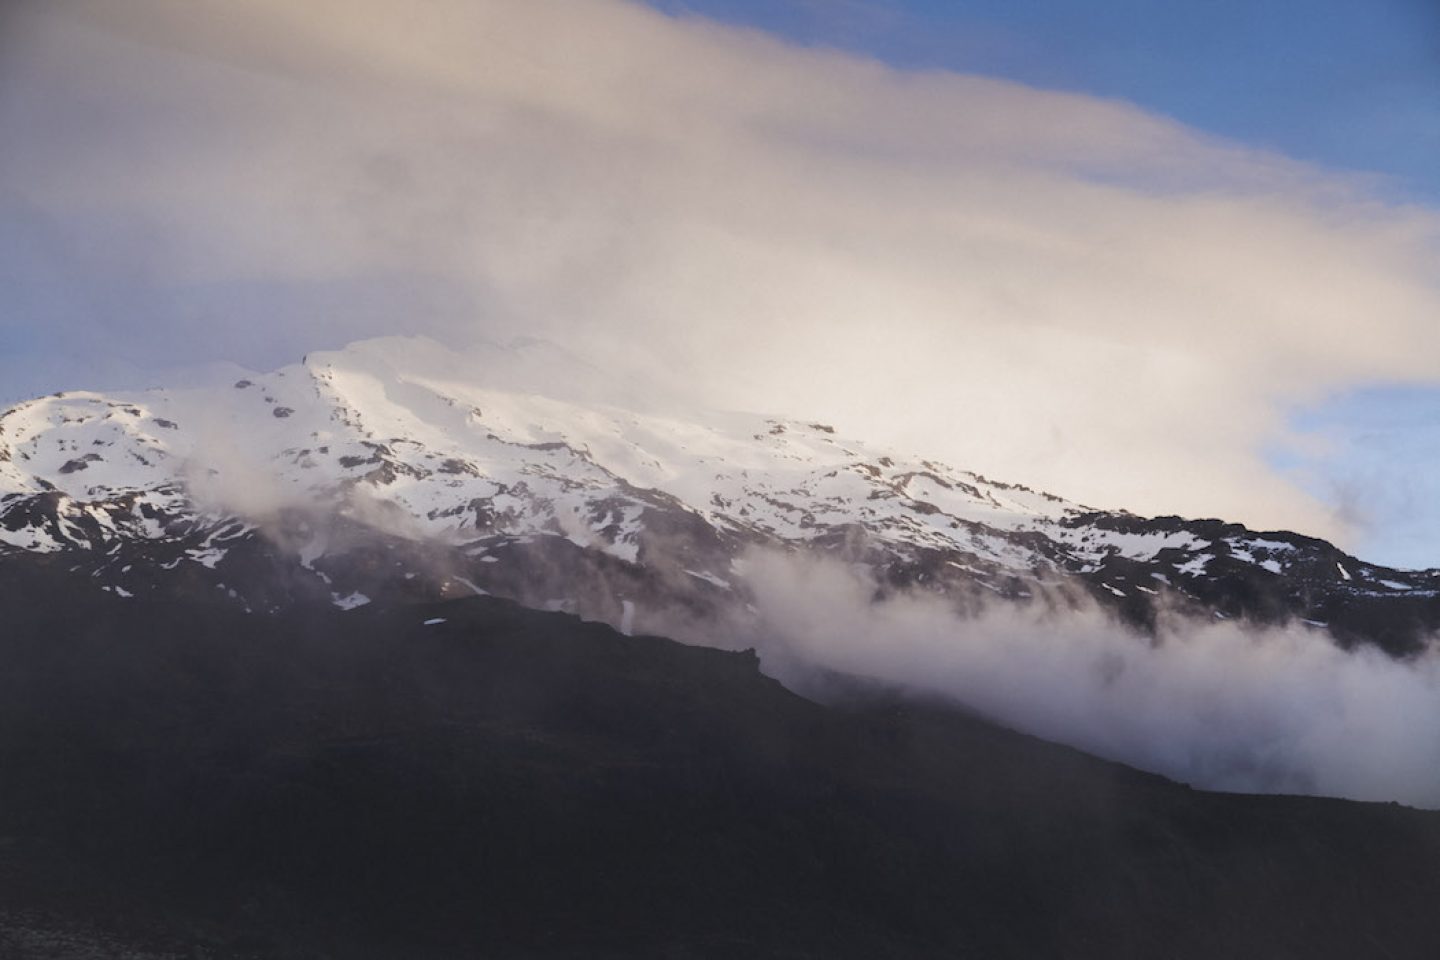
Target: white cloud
column 1221, row 706
column 1046, row 287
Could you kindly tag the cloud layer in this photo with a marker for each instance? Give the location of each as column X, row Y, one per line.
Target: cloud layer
column 1218, row 705
column 1050, row 288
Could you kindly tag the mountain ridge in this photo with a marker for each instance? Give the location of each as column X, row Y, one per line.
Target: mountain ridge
column 419, row 444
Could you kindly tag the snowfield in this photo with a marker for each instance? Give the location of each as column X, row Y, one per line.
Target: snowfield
column 525, row 442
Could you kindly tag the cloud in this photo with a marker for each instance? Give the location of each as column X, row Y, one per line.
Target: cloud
column 1217, row 705
column 1047, row 287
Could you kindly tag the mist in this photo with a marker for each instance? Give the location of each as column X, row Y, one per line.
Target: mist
column 1221, row 706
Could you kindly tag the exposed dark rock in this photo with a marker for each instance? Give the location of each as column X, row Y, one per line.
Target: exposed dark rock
column 458, row 467
column 80, row 463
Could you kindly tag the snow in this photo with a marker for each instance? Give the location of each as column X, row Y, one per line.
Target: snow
column 206, row 557
column 474, row 588
column 1271, row 546
column 1195, row 566
column 709, row 578
column 542, row 441
column 510, row 443
column 1137, row 546
column 29, row 538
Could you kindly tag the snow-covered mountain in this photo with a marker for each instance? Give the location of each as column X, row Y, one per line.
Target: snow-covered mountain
column 397, row 468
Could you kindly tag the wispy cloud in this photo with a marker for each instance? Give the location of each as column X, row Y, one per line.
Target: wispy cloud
column 1221, row 706
column 1050, row 287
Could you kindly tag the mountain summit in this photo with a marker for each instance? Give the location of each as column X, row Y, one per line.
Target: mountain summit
column 397, row 468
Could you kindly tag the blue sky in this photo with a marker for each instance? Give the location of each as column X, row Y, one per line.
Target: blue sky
column 1349, row 85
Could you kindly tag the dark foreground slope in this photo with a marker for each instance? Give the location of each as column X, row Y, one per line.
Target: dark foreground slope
column 191, row 782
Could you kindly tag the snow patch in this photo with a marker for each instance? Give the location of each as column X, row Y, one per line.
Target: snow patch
column 709, row 578
column 1195, row 567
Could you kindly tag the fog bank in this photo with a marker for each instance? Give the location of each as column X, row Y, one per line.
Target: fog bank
column 1221, row 706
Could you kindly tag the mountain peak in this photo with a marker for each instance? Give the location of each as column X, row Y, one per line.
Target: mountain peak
column 525, row 446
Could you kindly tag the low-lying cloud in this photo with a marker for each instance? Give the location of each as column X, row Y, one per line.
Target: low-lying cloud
column 1221, row 706
column 1057, row 289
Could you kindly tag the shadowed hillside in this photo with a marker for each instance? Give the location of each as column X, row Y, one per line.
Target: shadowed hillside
column 182, row 780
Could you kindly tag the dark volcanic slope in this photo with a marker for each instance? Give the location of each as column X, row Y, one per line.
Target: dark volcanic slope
column 181, row 780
